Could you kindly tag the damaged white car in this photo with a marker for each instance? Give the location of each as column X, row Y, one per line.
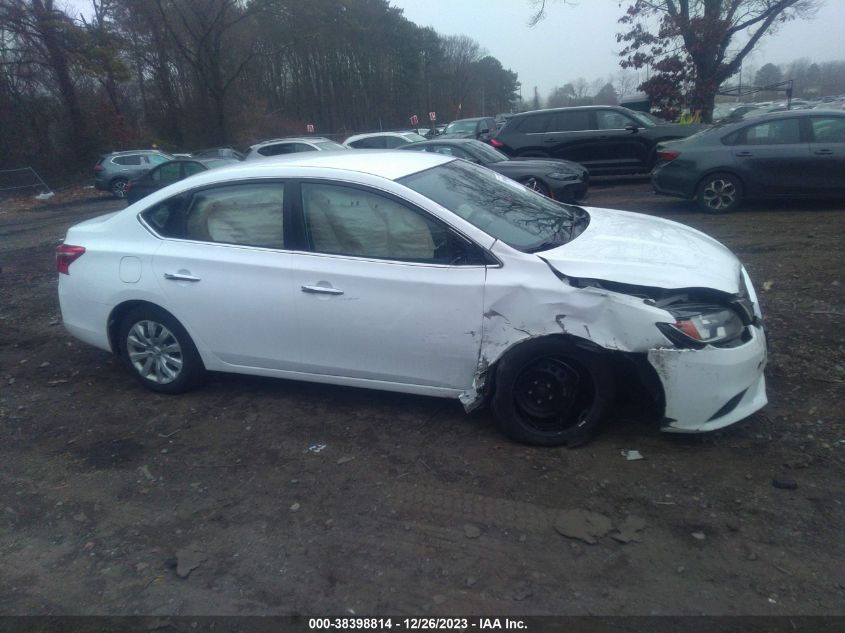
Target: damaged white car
column 419, row 273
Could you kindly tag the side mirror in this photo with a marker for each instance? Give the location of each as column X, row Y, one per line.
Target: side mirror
column 632, row 127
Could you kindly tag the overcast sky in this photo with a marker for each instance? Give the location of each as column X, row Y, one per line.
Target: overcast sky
column 580, row 41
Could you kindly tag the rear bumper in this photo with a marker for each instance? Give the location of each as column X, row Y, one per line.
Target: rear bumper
column 711, row 388
column 668, row 180
column 83, row 319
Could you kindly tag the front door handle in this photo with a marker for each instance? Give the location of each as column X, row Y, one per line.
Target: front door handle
column 180, row 277
column 744, row 154
column 823, row 152
column 325, row 290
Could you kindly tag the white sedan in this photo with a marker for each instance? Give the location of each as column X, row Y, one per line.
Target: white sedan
column 419, row 273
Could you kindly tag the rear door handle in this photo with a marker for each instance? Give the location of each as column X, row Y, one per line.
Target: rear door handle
column 180, row 277
column 744, row 154
column 823, row 152
column 325, row 290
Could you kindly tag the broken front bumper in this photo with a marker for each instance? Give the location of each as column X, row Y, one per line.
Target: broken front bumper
column 711, row 388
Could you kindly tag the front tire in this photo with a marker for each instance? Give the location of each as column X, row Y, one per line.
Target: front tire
column 719, row 193
column 159, row 352
column 551, row 393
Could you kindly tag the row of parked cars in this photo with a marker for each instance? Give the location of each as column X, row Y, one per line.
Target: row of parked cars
column 794, row 153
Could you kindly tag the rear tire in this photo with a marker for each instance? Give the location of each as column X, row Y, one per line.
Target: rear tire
column 159, row 352
column 118, row 187
column 719, row 193
column 551, row 393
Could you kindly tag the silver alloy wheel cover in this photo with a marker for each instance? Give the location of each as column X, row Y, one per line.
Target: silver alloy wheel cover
column 719, row 193
column 118, row 188
column 154, row 352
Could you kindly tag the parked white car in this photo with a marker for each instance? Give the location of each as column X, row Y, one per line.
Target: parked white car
column 419, row 273
column 291, row 145
column 382, row 140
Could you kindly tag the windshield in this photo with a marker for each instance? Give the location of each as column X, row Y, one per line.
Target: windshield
column 460, row 127
column 326, row 145
column 486, row 153
column 413, row 137
column 499, row 206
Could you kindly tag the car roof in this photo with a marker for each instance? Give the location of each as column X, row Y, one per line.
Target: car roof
column 782, row 114
column 137, row 151
column 475, row 118
column 390, row 164
column 587, row 107
column 448, row 141
column 356, row 137
column 291, row 139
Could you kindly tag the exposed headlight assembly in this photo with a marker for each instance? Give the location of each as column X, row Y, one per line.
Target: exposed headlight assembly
column 699, row 325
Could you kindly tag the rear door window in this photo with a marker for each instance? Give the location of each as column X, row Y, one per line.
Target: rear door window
column 779, row 132
column 572, row 121
column 248, row 215
column 193, row 168
column 129, row 159
column 277, row 149
column 373, row 142
column 394, row 141
column 167, row 173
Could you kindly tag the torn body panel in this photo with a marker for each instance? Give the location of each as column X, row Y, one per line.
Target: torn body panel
column 526, row 300
column 703, row 389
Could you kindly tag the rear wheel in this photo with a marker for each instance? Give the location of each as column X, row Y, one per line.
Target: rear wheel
column 550, row 393
column 719, row 193
column 118, row 187
column 159, row 352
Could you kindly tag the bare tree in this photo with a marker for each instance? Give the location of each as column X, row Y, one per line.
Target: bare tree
column 694, row 41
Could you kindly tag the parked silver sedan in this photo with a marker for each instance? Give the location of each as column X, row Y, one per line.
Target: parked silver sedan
column 419, row 273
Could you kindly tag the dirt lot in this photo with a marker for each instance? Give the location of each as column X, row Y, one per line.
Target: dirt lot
column 111, row 495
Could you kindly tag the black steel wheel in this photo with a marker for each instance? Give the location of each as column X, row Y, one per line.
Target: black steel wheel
column 550, row 393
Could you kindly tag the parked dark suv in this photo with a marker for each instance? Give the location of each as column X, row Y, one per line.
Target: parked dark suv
column 604, row 139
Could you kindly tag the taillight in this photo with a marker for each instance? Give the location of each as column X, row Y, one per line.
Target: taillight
column 667, row 155
column 66, row 255
column 99, row 167
column 496, row 142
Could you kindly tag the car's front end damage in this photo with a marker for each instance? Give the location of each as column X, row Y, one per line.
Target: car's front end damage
column 671, row 309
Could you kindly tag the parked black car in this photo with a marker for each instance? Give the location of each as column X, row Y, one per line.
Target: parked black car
column 558, row 179
column 799, row 153
column 481, row 128
column 604, row 139
column 168, row 173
